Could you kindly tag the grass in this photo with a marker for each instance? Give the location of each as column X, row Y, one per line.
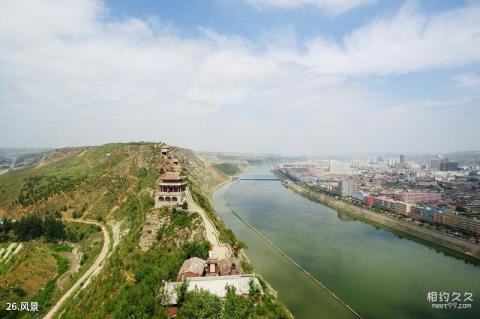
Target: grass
column 88, row 163
column 33, row 273
column 181, row 218
column 60, row 248
column 130, row 281
column 62, row 264
column 34, row 266
column 228, row 168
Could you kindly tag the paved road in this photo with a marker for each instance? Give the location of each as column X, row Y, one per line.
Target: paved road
column 89, row 273
column 218, row 250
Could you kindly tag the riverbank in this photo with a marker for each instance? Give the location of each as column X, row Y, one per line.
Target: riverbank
column 281, row 252
column 284, row 279
column 270, row 300
column 460, row 246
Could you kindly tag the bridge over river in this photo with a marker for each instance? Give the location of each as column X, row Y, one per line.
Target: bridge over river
column 258, row 179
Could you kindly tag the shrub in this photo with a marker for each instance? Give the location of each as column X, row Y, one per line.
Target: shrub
column 200, row 304
column 41, row 187
column 196, row 249
column 237, row 306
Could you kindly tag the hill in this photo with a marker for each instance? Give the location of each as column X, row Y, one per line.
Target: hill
column 111, row 185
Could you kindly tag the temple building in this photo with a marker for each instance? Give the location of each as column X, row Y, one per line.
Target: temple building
column 165, row 150
column 171, row 189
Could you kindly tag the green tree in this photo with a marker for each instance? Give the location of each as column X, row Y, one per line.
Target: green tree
column 196, row 249
column 182, row 292
column 200, row 305
column 237, row 306
column 254, row 290
column 29, row 227
column 54, row 229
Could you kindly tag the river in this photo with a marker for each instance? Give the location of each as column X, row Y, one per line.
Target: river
column 379, row 273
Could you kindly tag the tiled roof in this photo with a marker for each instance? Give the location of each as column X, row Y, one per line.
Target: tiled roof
column 194, row 265
column 172, row 176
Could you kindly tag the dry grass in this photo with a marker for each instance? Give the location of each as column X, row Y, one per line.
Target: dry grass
column 32, row 269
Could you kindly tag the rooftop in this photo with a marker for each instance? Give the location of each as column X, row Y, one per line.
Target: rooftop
column 215, row 285
column 172, row 176
column 194, row 265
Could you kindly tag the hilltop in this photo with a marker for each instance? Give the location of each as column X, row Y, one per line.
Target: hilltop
column 108, row 189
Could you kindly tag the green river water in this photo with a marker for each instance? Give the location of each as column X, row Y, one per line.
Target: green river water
column 379, row 273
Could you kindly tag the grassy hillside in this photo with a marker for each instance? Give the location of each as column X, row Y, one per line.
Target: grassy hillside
column 87, row 182
column 69, row 179
column 35, row 271
column 113, row 184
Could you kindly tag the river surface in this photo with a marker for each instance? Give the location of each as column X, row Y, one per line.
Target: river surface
column 379, row 273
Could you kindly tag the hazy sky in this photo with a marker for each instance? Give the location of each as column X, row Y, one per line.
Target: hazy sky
column 305, row 77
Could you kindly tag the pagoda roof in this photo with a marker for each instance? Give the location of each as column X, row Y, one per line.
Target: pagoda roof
column 172, row 176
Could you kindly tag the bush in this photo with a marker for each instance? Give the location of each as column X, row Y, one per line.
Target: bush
column 246, row 266
column 62, row 264
column 41, row 187
column 200, row 304
column 237, row 306
column 180, row 218
column 196, row 249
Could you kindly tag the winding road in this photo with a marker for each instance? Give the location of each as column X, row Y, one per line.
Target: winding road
column 218, row 250
column 85, row 278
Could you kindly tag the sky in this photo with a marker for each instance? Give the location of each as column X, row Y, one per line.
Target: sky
column 292, row 77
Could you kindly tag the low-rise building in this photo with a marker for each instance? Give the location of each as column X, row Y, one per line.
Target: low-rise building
column 420, row 197
column 401, row 207
column 214, row 285
column 229, row 266
column 427, row 214
column 358, row 195
column 370, row 201
column 415, row 212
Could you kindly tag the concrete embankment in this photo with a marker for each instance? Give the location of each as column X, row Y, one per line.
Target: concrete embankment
column 464, row 247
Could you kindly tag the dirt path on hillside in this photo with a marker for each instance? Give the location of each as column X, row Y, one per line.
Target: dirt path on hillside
column 85, row 278
column 73, row 259
column 218, row 250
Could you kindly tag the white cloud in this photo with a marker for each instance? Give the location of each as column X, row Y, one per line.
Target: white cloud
column 70, row 75
column 468, row 79
column 330, row 6
column 408, row 41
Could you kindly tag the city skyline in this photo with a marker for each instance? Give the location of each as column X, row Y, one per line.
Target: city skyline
column 258, row 76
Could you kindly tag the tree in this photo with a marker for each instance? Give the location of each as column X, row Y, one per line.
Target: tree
column 254, row 290
column 29, row 227
column 54, row 229
column 237, row 306
column 182, row 292
column 201, row 305
column 6, row 226
column 196, row 249
column 76, row 214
